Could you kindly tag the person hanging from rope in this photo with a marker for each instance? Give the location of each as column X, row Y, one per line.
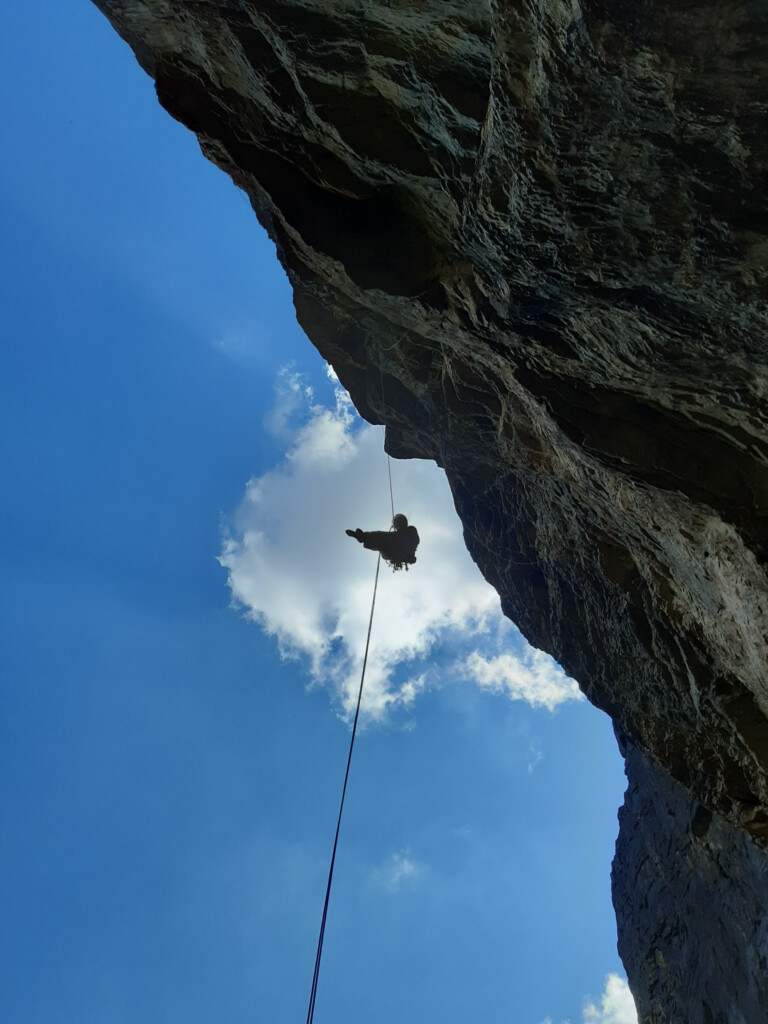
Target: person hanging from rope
column 397, row 547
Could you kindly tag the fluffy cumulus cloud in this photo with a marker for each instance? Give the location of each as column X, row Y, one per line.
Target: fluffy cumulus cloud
column 294, row 571
column 616, row 1004
column 532, row 677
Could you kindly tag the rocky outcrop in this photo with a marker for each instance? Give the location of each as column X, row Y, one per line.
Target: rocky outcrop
column 545, row 222
column 690, row 895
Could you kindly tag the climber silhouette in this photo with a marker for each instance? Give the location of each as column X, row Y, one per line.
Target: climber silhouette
column 398, row 546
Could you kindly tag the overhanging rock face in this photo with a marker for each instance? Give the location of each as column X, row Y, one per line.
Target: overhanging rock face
column 546, row 222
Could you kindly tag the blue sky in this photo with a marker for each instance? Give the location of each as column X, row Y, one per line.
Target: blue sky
column 181, row 618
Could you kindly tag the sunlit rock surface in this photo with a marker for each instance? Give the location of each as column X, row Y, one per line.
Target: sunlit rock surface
column 546, row 224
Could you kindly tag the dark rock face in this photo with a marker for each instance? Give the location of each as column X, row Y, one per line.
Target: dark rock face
column 546, row 222
column 690, row 896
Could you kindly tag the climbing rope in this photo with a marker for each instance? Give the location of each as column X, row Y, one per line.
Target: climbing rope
column 384, row 417
column 391, row 499
column 321, row 936
column 316, row 975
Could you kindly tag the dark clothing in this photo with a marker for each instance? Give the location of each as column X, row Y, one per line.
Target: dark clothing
column 396, row 546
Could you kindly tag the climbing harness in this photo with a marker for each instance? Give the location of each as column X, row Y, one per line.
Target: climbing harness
column 397, row 566
column 313, row 993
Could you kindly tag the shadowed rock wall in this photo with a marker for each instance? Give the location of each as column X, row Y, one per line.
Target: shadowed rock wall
column 546, row 223
column 690, row 896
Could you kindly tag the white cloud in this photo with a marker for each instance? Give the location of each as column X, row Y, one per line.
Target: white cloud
column 534, row 678
column 290, row 394
column 534, row 756
column 396, row 869
column 616, row 1004
column 294, row 571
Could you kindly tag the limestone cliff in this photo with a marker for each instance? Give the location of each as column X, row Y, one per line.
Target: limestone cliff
column 546, row 222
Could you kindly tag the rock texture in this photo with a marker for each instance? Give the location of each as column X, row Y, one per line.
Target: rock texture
column 690, row 896
column 545, row 221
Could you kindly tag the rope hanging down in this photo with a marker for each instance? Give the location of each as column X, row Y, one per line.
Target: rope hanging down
column 313, row 993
